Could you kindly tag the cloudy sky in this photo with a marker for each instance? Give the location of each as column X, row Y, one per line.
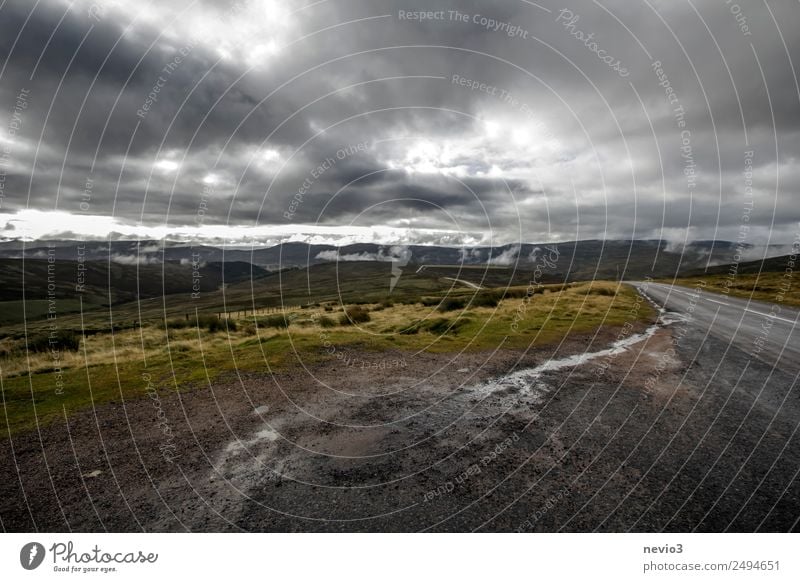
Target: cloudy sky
column 358, row 120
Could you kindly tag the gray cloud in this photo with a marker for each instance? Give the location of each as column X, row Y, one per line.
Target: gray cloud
column 446, row 125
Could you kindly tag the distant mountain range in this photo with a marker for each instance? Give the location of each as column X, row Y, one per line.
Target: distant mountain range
column 577, row 259
column 77, row 277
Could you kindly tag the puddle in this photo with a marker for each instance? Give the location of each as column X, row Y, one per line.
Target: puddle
column 265, row 435
column 526, row 382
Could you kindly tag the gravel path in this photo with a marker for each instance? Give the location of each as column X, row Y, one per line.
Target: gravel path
column 644, row 439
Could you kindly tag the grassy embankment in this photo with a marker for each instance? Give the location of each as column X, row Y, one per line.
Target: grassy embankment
column 108, row 366
column 780, row 284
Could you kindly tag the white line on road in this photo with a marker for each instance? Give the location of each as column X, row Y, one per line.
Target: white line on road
column 719, row 302
column 792, row 321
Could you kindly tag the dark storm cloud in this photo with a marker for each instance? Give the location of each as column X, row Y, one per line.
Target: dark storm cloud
column 502, row 120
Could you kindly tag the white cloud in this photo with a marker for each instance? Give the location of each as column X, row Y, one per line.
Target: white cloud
column 507, row 257
column 399, row 254
column 37, row 224
column 133, row 259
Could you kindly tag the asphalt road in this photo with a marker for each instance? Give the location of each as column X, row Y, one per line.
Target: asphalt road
column 765, row 331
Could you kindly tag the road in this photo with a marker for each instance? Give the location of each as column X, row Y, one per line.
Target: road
column 463, row 282
column 765, row 331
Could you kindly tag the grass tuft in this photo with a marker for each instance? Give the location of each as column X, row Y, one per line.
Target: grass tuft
column 354, row 315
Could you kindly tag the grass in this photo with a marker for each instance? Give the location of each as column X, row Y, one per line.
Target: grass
column 330, row 285
column 325, row 321
column 354, row 315
column 210, row 323
column 277, row 321
column 109, row 366
column 452, row 303
column 59, row 340
column 782, row 288
column 13, row 312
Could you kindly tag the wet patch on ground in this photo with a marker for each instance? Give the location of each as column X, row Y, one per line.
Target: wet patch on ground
column 497, row 441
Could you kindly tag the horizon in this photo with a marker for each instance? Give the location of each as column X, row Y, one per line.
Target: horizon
column 338, row 244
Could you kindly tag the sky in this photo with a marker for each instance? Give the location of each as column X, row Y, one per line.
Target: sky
column 341, row 121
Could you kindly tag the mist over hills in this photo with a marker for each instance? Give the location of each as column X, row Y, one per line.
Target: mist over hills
column 120, row 272
column 577, row 259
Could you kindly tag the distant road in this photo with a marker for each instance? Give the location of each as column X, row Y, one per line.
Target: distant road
column 463, row 282
column 764, row 330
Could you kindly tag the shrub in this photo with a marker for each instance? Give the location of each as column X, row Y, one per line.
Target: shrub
column 203, row 321
column 353, row 315
column 451, row 304
column 591, row 290
column 325, row 321
column 443, row 325
column 516, row 293
column 438, row 326
column 177, row 323
column 277, row 321
column 489, row 299
column 412, row 329
column 62, row 340
column 214, row 325
column 529, row 291
column 210, row 322
column 248, row 328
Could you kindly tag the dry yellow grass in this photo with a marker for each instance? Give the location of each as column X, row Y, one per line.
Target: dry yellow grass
column 114, row 363
column 597, row 301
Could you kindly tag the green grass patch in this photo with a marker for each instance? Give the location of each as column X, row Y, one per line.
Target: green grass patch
column 782, row 288
column 116, row 362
